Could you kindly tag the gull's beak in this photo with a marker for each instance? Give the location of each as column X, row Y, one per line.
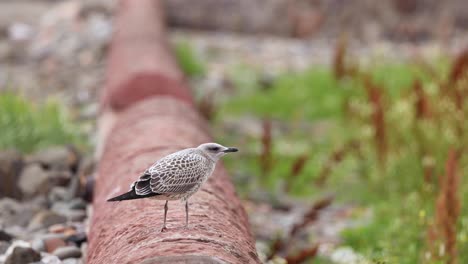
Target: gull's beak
column 230, row 150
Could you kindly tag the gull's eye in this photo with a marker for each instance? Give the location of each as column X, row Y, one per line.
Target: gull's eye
column 214, row 148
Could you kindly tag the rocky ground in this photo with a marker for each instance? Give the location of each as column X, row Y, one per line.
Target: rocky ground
column 45, row 216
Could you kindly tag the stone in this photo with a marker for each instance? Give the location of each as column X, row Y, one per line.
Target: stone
column 58, row 194
column 20, row 32
column 5, row 51
column 69, row 232
column 67, row 252
column 48, row 242
column 60, row 177
column 87, row 166
column 4, row 236
column 11, row 163
column 14, row 213
column 71, row 261
column 347, row 255
column 60, row 207
column 307, row 22
column 17, row 232
column 88, row 188
column 57, row 228
column 34, row 180
column 49, row 259
column 23, row 217
column 77, row 203
column 47, row 236
column 62, row 229
column 56, row 158
column 3, row 247
column 75, row 215
column 38, row 202
column 53, row 243
column 38, row 244
column 74, row 187
column 9, row 206
column 78, row 238
column 45, row 218
column 84, row 250
column 23, row 255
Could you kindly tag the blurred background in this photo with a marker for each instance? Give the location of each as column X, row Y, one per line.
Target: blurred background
column 350, row 116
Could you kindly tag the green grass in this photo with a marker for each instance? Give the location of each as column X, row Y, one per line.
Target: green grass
column 313, row 108
column 27, row 126
column 312, row 94
column 188, row 60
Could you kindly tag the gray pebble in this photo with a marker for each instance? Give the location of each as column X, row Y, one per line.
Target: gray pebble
column 58, row 194
column 13, row 212
column 60, row 207
column 77, row 203
column 46, row 218
column 49, row 259
column 23, row 255
column 67, row 252
column 11, row 163
column 5, row 236
column 55, row 158
column 71, row 261
column 76, row 215
column 38, row 244
column 3, row 247
column 84, row 249
column 33, row 180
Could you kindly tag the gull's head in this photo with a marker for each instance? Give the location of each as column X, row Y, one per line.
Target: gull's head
column 215, row 151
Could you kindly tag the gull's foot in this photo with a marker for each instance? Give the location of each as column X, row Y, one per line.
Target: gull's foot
column 164, row 229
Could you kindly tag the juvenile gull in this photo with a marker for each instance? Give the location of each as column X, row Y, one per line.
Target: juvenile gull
column 176, row 176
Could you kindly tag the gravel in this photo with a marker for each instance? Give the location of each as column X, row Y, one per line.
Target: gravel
column 23, row 255
column 48, row 219
column 67, row 252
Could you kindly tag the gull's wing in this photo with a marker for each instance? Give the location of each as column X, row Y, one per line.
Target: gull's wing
column 176, row 173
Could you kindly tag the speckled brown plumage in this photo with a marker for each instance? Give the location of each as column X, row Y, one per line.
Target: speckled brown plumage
column 176, row 176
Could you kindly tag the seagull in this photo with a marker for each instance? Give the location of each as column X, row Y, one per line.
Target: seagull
column 176, row 176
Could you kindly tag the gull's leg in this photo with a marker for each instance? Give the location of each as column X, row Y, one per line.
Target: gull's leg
column 186, row 213
column 164, row 228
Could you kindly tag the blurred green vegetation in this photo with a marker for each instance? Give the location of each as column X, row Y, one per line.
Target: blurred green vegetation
column 332, row 123
column 188, row 60
column 27, row 126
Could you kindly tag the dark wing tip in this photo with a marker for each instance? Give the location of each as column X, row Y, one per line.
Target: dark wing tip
column 125, row 196
column 113, row 199
column 131, row 196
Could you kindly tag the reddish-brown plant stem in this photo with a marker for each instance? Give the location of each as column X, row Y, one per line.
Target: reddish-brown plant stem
column 309, row 217
column 447, row 210
column 266, row 154
column 375, row 97
column 335, row 158
column 296, row 169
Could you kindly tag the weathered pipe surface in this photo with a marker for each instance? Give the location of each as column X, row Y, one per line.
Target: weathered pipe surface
column 129, row 231
column 147, row 113
column 139, row 61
